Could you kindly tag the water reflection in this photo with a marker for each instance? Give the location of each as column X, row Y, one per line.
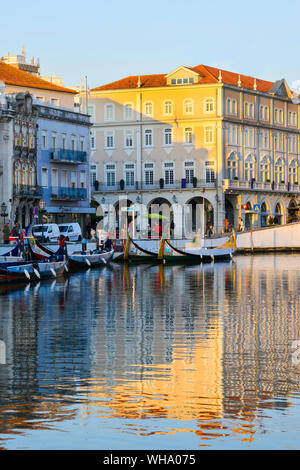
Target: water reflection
column 201, row 351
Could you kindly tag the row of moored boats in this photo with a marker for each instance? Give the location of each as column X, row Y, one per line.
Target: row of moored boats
column 40, row 262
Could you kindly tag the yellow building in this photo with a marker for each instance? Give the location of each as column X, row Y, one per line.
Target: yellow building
column 197, row 133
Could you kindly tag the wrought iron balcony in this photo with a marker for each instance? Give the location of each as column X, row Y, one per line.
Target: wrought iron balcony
column 68, row 193
column 154, row 185
column 24, row 190
column 263, row 186
column 68, row 156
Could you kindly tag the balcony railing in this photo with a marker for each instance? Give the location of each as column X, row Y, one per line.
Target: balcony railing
column 68, row 193
column 68, row 156
column 263, row 186
column 24, row 190
column 155, row 185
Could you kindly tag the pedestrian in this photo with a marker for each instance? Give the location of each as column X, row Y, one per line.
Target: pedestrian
column 172, row 227
column 241, row 225
column 6, row 233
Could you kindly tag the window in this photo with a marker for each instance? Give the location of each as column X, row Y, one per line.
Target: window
column 53, row 142
column 63, row 141
column 232, row 166
column 228, row 106
column 280, row 142
column 188, row 135
column 55, row 101
column 182, row 81
column 266, row 113
column 278, row 115
column 110, row 174
column 189, row 171
column 64, row 178
column 250, row 168
column 168, row 136
column 45, row 177
column 73, row 143
column 293, row 172
column 149, row 173
column 93, row 141
column 129, row 174
column 54, row 177
column 44, row 140
column 266, row 139
column 73, row 179
column 82, row 179
column 109, row 112
column 209, row 105
column 279, row 171
column 275, row 141
column 128, row 138
column 93, row 175
column 210, row 175
column 128, row 111
column 188, row 107
column 91, row 112
column 168, row 107
column 265, row 169
column 148, row 108
column 231, row 106
column 81, row 144
column 249, row 110
column 148, row 138
column 208, row 135
column 32, row 175
column 109, row 139
column 292, row 118
column 232, row 135
column 169, row 173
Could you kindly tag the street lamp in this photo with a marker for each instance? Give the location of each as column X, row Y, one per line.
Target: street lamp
column 42, row 211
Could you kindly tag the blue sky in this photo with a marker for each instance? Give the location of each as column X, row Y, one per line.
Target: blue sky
column 110, row 40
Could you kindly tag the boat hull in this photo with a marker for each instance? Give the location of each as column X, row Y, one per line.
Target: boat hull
column 31, row 272
column 79, row 261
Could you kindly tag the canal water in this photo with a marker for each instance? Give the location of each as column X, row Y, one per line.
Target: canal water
column 153, row 357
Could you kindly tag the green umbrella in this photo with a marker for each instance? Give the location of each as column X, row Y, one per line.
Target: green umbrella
column 156, row 216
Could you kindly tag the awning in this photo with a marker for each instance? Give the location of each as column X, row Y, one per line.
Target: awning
column 70, row 210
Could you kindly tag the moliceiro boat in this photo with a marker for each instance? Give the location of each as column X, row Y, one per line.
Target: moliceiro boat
column 30, row 271
column 89, row 259
column 189, row 253
column 193, row 252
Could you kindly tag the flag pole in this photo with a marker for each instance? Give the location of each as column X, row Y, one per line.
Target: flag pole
column 86, row 94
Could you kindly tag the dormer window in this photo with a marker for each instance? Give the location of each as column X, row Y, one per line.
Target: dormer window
column 182, row 81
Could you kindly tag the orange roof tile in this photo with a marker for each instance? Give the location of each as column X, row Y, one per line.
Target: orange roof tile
column 207, row 75
column 12, row 76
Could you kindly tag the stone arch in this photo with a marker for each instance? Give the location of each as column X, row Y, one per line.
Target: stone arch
column 293, row 211
column 278, row 213
column 199, row 217
column 249, row 215
column 161, row 217
column 264, row 212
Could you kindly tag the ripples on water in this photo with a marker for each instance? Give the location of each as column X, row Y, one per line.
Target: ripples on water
column 154, row 357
